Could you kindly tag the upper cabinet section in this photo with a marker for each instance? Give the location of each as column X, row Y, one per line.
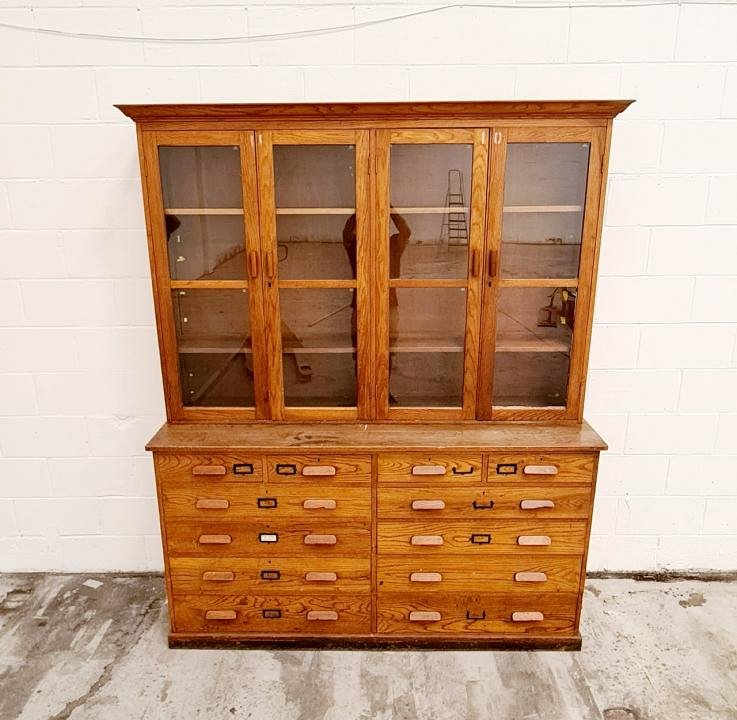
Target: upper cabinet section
column 388, row 261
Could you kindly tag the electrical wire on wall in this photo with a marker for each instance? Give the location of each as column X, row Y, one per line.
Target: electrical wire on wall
column 317, row 32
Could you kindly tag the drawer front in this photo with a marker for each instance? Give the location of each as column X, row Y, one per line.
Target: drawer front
column 227, row 499
column 209, row 468
column 484, row 502
column 430, row 469
column 272, row 614
column 264, row 576
column 497, row 536
column 541, row 469
column 506, row 574
column 533, row 614
column 275, row 539
column 319, row 469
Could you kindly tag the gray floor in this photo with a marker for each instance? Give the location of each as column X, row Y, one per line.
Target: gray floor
column 651, row 650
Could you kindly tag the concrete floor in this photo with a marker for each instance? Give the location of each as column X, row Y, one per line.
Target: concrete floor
column 651, row 650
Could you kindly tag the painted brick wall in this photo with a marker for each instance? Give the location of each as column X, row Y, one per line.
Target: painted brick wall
column 79, row 379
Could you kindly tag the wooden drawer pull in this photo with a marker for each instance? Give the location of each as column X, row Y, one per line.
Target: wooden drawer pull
column 530, row 577
column 533, row 540
column 428, row 504
column 218, row 575
column 205, row 504
column 315, row 504
column 220, row 615
column 429, row 470
column 536, row 504
column 320, row 540
column 527, row 617
column 425, row 577
column 322, row 615
column 209, row 470
column 321, row 576
column 424, row 616
column 319, row 470
column 540, row 470
column 426, row 540
column 215, row 539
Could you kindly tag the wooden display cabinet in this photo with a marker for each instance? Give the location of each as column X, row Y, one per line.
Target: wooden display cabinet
column 374, row 325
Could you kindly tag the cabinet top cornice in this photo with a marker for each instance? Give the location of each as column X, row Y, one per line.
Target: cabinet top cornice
column 373, row 111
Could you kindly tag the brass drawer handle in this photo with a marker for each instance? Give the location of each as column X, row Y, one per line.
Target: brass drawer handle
column 429, row 470
column 424, row 616
column 533, row 540
column 425, row 577
column 220, row 615
column 426, row 540
column 315, row 504
column 536, row 504
column 321, row 576
column 540, row 470
column 319, row 470
column 480, row 506
column 469, row 471
column 428, row 504
column 215, row 539
column 206, row 504
column 530, row 577
column 527, row 617
column 320, row 540
column 209, row 470
column 322, row 615
column 266, row 503
column 218, row 575
column 475, row 616
column 268, row 537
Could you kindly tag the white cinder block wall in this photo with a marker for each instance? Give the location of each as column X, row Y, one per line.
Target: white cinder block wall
column 79, row 378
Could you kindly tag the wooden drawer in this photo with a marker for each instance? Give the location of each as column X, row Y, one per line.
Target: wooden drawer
column 210, row 468
column 541, row 469
column 506, row 573
column 273, row 539
column 477, row 613
column 430, row 469
column 264, row 576
column 318, row 469
column 228, row 499
column 482, row 538
column 484, row 502
column 272, row 614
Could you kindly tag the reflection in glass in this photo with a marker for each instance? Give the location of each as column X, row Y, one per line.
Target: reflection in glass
column 544, row 197
column 318, row 329
column 315, row 193
column 430, row 198
column 533, row 345
column 214, row 345
column 426, row 341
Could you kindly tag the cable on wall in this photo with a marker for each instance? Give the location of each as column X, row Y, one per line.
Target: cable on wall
column 317, row 32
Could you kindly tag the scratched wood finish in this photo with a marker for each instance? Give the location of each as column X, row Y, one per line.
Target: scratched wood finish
column 258, row 503
column 288, row 468
column 458, row 467
column 182, row 466
column 492, row 537
column 272, row 613
column 477, row 612
column 484, row 502
column 571, row 468
column 458, row 574
column 270, row 575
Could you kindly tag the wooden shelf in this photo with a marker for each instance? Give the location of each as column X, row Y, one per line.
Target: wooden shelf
column 530, row 344
column 316, row 211
column 542, row 208
column 428, row 210
column 203, row 211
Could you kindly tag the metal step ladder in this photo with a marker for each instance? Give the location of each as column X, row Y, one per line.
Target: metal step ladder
column 455, row 225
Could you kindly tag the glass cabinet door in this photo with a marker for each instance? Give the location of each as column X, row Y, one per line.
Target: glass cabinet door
column 546, row 212
column 430, row 209
column 314, row 186
column 209, row 242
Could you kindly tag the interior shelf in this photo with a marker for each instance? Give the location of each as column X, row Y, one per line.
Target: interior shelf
column 315, row 211
column 530, row 343
column 203, row 211
column 542, row 208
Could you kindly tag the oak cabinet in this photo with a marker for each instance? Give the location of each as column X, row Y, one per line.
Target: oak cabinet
column 398, row 265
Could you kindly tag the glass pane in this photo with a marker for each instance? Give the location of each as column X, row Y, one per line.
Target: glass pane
column 214, row 346
column 319, row 347
column 203, row 203
column 426, row 336
column 430, row 216
column 533, row 345
column 315, row 191
column 544, row 197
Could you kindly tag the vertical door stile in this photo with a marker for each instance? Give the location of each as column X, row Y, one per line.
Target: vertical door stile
column 381, row 272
